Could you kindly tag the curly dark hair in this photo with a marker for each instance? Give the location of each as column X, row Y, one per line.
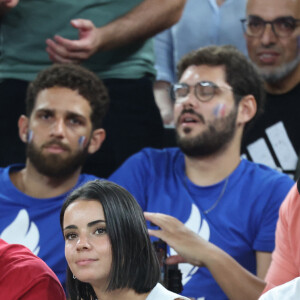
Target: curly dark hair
column 240, row 73
column 76, row 78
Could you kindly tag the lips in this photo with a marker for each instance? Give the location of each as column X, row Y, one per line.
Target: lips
column 86, row 261
column 55, row 147
column 268, row 57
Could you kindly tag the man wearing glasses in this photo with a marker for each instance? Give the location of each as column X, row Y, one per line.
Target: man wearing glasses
column 229, row 202
column 272, row 29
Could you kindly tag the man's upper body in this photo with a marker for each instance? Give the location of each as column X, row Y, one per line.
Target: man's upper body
column 289, row 290
column 242, row 223
column 65, row 108
column 271, row 31
column 109, row 36
column 203, row 23
column 24, row 276
column 228, row 201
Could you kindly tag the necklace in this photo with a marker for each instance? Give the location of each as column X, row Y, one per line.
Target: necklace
column 219, row 197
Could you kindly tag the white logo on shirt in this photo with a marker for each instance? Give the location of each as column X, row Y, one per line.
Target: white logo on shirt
column 22, row 231
column 199, row 226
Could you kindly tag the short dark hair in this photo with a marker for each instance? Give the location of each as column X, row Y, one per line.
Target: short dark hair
column 240, row 72
column 76, row 78
column 134, row 261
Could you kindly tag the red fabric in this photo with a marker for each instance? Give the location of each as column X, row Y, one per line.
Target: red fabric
column 24, row 276
column 285, row 264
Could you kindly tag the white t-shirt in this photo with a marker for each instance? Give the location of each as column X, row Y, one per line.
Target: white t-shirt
column 289, row 290
column 161, row 293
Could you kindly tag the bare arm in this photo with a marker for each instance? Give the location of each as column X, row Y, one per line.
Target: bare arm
column 6, row 5
column 163, row 101
column 236, row 282
column 144, row 21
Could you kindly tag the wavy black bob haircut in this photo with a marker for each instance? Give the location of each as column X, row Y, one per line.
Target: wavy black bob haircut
column 134, row 261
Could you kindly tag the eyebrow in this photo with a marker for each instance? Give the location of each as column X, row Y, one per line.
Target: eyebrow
column 90, row 224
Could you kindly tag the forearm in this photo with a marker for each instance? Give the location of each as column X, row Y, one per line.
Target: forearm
column 144, row 21
column 236, row 282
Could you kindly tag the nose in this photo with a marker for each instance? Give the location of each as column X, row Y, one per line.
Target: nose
column 58, row 128
column 269, row 37
column 189, row 100
column 83, row 243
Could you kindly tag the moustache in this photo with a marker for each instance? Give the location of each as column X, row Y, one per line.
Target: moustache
column 191, row 112
column 57, row 143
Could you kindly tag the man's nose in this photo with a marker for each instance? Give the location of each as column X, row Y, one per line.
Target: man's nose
column 269, row 37
column 58, row 128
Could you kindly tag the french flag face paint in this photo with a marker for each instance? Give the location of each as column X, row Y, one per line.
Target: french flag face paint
column 29, row 136
column 82, row 141
column 220, row 110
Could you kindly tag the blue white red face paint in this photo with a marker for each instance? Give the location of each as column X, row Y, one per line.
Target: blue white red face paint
column 219, row 110
column 29, row 136
column 82, row 141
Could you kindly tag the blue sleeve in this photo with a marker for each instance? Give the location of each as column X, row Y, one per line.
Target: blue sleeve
column 133, row 176
column 164, row 56
column 265, row 237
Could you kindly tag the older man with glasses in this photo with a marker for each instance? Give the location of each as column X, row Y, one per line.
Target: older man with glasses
column 272, row 29
column 228, row 201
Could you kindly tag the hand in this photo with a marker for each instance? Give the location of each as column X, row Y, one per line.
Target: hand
column 189, row 245
column 74, row 51
column 7, row 4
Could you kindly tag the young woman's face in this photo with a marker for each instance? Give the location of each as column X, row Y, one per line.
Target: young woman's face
column 87, row 245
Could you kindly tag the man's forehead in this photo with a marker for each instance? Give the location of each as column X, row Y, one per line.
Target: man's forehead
column 61, row 100
column 204, row 72
column 271, row 9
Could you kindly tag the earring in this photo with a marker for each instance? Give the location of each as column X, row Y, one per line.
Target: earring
column 74, row 277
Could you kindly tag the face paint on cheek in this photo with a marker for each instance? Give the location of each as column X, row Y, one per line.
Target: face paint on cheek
column 29, row 136
column 82, row 141
column 220, row 110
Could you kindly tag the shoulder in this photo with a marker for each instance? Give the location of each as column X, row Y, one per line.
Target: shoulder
column 159, row 292
column 259, row 172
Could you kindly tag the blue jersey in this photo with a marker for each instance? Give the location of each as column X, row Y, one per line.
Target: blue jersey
column 242, row 221
column 34, row 222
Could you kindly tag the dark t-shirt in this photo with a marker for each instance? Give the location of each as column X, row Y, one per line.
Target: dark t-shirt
column 274, row 139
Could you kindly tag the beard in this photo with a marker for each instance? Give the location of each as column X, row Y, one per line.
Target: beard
column 279, row 73
column 212, row 140
column 53, row 165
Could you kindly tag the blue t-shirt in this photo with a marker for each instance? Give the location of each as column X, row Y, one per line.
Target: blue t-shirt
column 242, row 222
column 34, row 222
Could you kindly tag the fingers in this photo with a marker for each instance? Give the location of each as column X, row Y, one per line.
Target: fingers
column 64, row 54
column 82, row 24
column 174, row 259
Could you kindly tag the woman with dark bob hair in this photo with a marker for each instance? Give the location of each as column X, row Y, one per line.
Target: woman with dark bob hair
column 107, row 246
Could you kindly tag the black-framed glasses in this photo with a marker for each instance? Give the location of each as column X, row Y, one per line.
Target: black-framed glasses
column 204, row 90
column 282, row 27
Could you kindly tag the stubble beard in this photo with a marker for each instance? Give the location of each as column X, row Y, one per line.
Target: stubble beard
column 212, row 140
column 280, row 72
column 53, row 165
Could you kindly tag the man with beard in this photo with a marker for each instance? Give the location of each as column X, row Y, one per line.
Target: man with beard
column 272, row 29
column 230, row 202
column 65, row 106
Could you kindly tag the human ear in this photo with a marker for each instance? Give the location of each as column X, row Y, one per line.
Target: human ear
column 247, row 109
column 23, row 124
column 98, row 136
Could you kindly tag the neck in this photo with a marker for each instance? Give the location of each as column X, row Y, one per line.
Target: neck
column 220, row 2
column 212, row 169
column 124, row 294
column 286, row 84
column 34, row 184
